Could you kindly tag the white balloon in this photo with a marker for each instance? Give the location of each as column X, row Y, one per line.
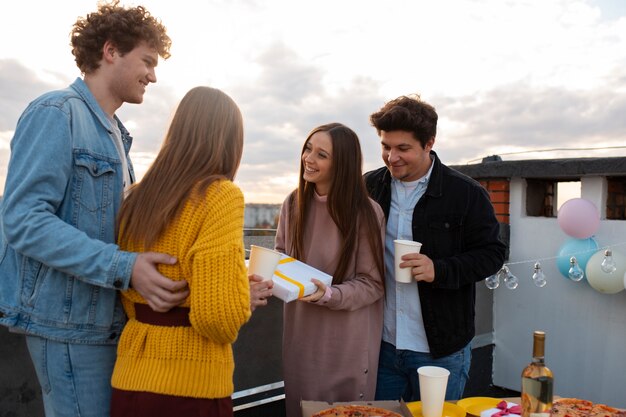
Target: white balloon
column 604, row 282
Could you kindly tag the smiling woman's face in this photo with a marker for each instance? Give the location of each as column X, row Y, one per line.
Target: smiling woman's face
column 317, row 161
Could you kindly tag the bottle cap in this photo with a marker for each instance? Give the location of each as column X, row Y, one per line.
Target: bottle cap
column 539, row 338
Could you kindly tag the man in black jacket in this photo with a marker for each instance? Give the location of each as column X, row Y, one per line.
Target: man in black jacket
column 429, row 321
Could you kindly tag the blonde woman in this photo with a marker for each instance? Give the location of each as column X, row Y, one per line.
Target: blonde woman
column 181, row 362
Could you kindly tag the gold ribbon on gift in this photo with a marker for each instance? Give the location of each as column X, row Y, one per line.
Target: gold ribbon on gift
column 286, row 278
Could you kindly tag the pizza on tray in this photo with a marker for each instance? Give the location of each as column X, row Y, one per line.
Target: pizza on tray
column 355, row 411
column 574, row 407
column 571, row 407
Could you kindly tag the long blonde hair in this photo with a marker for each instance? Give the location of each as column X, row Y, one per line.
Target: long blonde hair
column 204, row 143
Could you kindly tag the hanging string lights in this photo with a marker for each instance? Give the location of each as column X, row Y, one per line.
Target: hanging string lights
column 575, row 273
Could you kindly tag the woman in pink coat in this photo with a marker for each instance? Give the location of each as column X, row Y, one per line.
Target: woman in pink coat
column 331, row 338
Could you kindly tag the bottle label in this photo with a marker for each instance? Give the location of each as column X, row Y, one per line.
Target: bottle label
column 536, row 396
column 540, row 390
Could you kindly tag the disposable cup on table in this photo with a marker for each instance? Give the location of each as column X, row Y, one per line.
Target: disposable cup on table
column 401, row 248
column 263, row 261
column 433, row 383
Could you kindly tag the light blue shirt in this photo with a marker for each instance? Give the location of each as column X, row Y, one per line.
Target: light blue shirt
column 403, row 325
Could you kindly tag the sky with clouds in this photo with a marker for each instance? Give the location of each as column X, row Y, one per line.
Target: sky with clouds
column 506, row 76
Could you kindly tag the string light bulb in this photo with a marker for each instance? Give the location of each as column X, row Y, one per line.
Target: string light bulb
column 608, row 265
column 539, row 278
column 492, row 282
column 575, row 272
column 510, row 280
column 501, row 275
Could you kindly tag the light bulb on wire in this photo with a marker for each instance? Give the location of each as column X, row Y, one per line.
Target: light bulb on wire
column 608, row 265
column 492, row 282
column 502, row 273
column 539, row 278
column 575, row 272
column 510, row 280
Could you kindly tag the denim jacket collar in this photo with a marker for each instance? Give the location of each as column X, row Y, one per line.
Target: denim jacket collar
column 80, row 87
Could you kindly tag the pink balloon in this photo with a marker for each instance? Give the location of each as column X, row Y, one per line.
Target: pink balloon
column 579, row 218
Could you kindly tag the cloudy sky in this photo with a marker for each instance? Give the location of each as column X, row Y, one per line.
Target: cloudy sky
column 506, row 76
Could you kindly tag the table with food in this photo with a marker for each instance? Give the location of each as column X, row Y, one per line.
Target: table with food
column 469, row 407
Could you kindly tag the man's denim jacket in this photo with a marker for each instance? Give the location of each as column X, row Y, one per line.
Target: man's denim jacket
column 60, row 268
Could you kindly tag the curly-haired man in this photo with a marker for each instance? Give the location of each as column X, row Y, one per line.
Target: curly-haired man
column 60, row 268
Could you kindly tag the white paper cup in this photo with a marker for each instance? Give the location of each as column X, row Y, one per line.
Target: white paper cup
column 403, row 247
column 263, row 261
column 433, row 383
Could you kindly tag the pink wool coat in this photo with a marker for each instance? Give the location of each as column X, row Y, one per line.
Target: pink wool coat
column 330, row 352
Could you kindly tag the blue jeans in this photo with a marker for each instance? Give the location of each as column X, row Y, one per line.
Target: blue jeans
column 397, row 372
column 75, row 379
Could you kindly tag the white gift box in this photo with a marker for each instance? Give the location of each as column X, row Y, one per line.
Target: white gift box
column 292, row 279
column 503, row 410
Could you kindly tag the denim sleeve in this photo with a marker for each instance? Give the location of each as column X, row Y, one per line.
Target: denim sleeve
column 38, row 182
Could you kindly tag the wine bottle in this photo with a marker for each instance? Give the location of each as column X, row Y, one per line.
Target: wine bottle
column 537, row 382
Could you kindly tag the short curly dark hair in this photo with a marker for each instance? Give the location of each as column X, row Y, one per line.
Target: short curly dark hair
column 124, row 27
column 408, row 113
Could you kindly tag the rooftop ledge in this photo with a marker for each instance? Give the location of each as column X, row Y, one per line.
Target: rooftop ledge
column 565, row 168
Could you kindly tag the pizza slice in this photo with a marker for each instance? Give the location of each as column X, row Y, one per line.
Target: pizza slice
column 571, row 407
column 355, row 411
column 601, row 410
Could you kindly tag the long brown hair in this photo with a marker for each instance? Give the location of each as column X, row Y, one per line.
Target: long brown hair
column 348, row 202
column 203, row 143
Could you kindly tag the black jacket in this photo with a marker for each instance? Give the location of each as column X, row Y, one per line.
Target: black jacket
column 455, row 222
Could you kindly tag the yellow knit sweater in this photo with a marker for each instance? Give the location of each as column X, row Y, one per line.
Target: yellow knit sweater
column 197, row 361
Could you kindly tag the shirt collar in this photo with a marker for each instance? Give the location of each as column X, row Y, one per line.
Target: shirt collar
column 421, row 181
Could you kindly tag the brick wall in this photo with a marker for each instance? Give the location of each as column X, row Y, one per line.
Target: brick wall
column 616, row 198
column 499, row 194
